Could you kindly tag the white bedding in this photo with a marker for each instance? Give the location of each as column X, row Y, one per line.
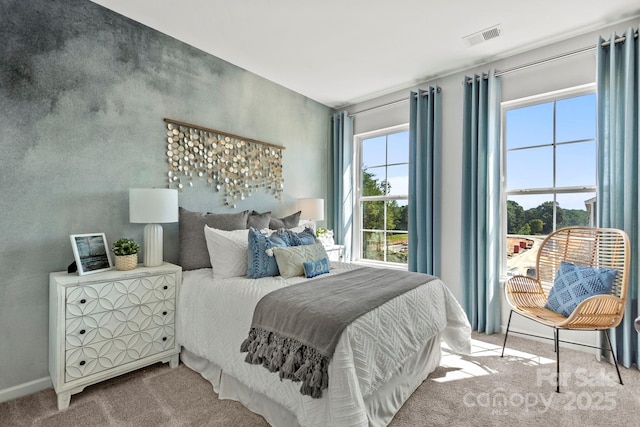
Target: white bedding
column 214, row 317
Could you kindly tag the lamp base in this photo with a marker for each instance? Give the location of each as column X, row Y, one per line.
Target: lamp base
column 152, row 245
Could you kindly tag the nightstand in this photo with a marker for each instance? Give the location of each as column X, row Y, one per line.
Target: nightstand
column 106, row 324
column 335, row 252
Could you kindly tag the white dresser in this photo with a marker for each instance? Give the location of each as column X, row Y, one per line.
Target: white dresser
column 106, row 324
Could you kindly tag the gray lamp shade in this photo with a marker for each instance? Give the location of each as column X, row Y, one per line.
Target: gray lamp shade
column 153, row 205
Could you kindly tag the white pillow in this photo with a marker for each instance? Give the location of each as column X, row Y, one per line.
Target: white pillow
column 291, row 259
column 228, row 251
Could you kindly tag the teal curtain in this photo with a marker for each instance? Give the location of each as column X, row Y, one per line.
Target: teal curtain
column 618, row 80
column 341, row 180
column 481, row 230
column 425, row 182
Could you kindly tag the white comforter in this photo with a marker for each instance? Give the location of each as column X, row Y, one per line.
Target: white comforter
column 214, row 317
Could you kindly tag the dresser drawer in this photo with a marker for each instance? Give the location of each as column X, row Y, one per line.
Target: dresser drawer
column 97, row 357
column 100, row 297
column 96, row 327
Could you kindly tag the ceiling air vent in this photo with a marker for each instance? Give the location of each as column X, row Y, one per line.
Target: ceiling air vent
column 483, row 36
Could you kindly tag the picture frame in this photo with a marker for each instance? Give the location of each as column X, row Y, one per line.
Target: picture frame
column 91, row 253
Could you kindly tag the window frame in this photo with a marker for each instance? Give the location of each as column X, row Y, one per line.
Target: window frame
column 357, row 185
column 557, row 95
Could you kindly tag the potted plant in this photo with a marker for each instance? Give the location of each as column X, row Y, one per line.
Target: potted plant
column 126, row 252
column 325, row 236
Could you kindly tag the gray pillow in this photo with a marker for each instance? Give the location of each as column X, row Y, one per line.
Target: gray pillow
column 193, row 253
column 286, row 222
column 259, row 221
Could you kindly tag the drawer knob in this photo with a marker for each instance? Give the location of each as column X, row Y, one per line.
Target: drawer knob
column 164, row 313
column 82, row 362
column 165, row 287
column 164, row 338
column 82, row 331
column 82, row 301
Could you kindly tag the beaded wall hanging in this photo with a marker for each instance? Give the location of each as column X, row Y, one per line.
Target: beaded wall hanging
column 228, row 163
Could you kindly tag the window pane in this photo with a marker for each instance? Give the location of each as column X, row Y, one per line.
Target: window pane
column 529, row 126
column 573, row 209
column 373, row 245
column 576, row 164
column 398, row 215
column 384, row 174
column 374, row 151
column 373, row 215
column 398, row 148
column 576, row 118
column 522, row 252
column 373, row 181
column 531, row 217
column 527, row 217
column 397, row 247
column 398, row 180
column 530, row 168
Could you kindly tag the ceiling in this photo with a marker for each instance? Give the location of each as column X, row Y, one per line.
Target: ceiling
column 342, row 52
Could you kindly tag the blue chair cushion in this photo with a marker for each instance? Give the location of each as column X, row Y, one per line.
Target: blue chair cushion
column 575, row 283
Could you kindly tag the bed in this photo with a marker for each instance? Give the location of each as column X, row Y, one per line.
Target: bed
column 379, row 359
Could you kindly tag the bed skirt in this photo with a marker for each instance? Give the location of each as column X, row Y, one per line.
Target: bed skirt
column 380, row 406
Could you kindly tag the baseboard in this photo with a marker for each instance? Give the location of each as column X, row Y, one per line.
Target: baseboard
column 25, row 389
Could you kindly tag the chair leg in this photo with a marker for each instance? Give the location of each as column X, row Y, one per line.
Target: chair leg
column 506, row 333
column 556, row 339
column 613, row 355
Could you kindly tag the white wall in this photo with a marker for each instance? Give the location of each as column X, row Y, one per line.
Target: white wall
column 564, row 73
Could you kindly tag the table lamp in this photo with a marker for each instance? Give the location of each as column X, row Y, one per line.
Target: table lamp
column 153, row 206
column 311, row 209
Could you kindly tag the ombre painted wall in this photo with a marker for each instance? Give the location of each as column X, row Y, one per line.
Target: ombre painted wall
column 83, row 92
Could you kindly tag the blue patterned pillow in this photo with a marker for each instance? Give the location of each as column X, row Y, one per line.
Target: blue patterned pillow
column 291, row 238
column 316, row 268
column 262, row 263
column 575, row 283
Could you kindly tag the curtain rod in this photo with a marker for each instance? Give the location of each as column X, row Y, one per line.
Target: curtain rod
column 498, row 73
column 388, row 104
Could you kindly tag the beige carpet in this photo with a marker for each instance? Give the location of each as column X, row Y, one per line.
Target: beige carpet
column 478, row 390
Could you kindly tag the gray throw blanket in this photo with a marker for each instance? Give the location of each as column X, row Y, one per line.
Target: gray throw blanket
column 295, row 329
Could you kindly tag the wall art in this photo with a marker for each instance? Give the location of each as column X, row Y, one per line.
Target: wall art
column 231, row 164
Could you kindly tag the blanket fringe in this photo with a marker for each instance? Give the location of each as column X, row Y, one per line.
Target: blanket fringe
column 292, row 359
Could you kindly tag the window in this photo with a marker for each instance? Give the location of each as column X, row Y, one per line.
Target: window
column 383, row 187
column 550, row 169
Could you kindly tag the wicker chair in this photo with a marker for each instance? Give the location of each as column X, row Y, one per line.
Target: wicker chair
column 596, row 247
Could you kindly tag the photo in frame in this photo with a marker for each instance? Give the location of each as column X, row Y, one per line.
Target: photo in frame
column 91, row 252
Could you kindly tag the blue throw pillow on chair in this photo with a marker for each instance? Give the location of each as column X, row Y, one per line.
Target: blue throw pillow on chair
column 575, row 283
